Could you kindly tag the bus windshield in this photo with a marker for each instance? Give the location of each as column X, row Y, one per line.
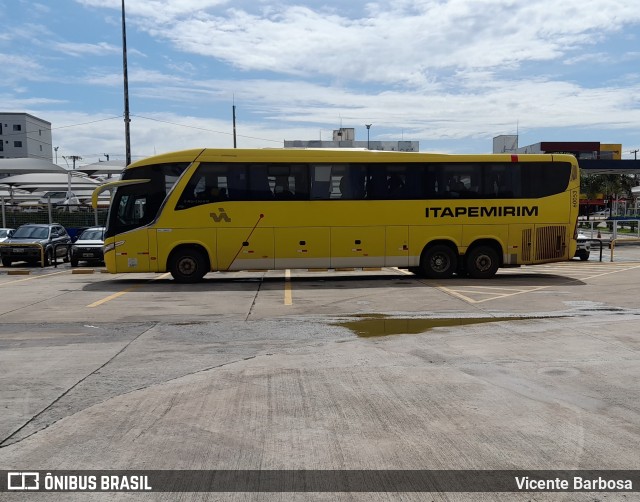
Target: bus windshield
column 137, row 205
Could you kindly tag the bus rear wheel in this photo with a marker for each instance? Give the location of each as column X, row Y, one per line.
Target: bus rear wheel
column 438, row 262
column 188, row 265
column 482, row 262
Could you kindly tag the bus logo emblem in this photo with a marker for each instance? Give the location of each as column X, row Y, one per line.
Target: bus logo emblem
column 221, row 216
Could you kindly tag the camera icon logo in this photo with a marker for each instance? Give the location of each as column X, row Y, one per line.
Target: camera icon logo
column 23, row 481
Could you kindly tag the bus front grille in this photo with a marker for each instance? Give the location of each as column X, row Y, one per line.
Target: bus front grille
column 550, row 242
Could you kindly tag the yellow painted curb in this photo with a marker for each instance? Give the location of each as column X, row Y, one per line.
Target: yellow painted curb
column 317, row 270
column 18, row 272
column 82, row 271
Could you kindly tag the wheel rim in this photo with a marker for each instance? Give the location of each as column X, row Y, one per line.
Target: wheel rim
column 483, row 263
column 439, row 262
column 187, row 266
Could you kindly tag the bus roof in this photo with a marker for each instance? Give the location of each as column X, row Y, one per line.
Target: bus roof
column 337, row 155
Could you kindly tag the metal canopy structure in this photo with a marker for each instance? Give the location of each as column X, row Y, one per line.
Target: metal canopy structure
column 607, row 166
column 49, row 181
column 29, row 165
column 110, row 168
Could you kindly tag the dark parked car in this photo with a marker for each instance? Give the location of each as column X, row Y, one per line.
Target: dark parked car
column 33, row 242
column 88, row 247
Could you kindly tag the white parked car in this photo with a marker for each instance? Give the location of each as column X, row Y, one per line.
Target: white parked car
column 5, row 233
column 88, row 247
column 59, row 198
column 584, row 247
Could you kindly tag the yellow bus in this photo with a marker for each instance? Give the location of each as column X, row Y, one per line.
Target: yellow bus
column 196, row 211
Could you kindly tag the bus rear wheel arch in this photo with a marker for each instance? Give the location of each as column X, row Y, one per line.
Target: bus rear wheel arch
column 482, row 260
column 188, row 264
column 439, row 260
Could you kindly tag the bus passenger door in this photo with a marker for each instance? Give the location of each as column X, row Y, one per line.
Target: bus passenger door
column 305, row 247
column 357, row 247
column 133, row 255
column 397, row 247
column 245, row 249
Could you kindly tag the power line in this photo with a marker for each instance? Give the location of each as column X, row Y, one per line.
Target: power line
column 206, row 130
column 22, row 133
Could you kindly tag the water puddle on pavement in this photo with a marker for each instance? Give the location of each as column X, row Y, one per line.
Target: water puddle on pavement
column 381, row 325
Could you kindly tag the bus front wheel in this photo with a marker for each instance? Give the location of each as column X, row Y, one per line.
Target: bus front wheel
column 438, row 262
column 188, row 265
column 482, row 262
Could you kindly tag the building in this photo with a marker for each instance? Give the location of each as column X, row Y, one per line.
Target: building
column 345, row 138
column 584, row 150
column 24, row 136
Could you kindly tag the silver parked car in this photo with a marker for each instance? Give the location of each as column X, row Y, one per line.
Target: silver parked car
column 88, row 247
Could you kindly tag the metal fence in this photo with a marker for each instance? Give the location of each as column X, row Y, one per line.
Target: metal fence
column 612, row 232
column 69, row 216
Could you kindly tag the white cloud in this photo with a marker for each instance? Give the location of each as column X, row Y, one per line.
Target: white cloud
column 394, row 42
column 432, row 70
column 86, row 49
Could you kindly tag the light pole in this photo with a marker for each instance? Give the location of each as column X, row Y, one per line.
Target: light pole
column 127, row 120
column 56, row 150
column 368, row 126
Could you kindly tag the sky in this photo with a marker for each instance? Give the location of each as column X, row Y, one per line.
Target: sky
column 451, row 74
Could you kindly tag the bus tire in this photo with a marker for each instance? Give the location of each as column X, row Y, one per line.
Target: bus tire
column 482, row 262
column 415, row 271
column 6, row 262
column 439, row 262
column 188, row 265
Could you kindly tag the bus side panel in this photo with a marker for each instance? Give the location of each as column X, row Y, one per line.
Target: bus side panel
column 397, row 247
column 168, row 239
column 357, row 246
column 302, row 247
column 245, row 249
column 153, row 250
column 420, row 236
column 498, row 233
column 133, row 254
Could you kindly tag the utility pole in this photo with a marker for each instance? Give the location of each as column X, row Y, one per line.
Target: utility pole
column 74, row 158
column 235, row 145
column 127, row 120
column 635, row 154
column 368, row 126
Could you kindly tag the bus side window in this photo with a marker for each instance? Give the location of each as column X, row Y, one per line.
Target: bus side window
column 259, row 183
column 395, row 186
column 320, row 182
column 377, row 186
column 281, row 189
